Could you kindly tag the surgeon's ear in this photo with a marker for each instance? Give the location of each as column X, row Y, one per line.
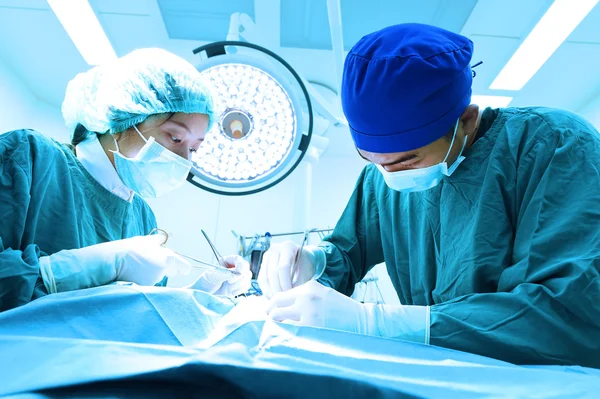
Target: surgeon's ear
column 470, row 119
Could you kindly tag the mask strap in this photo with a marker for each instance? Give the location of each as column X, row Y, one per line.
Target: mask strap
column 452, row 142
column 464, row 145
column 136, row 129
column 115, row 141
column 452, row 168
column 140, row 133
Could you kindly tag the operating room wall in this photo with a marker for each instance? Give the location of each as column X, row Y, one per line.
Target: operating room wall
column 591, row 110
column 20, row 108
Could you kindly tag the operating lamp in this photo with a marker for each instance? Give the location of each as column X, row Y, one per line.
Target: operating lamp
column 264, row 119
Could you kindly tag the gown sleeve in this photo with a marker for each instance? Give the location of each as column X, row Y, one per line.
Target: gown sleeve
column 355, row 245
column 546, row 309
column 19, row 263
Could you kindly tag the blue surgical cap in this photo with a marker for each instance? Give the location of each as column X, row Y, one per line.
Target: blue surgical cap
column 113, row 97
column 405, row 86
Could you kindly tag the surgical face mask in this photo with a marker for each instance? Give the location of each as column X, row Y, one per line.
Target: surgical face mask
column 425, row 178
column 154, row 171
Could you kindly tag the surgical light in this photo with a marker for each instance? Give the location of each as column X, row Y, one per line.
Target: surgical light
column 264, row 120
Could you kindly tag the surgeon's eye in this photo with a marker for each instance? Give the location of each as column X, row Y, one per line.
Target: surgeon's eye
column 412, row 162
column 175, row 139
column 193, row 150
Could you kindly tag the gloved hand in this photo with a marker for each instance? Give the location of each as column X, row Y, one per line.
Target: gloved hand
column 141, row 260
column 313, row 304
column 276, row 268
column 222, row 283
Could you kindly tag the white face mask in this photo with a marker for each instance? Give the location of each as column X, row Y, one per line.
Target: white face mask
column 425, row 178
column 154, row 171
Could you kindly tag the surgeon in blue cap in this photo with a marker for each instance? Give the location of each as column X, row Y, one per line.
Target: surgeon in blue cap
column 487, row 220
column 75, row 217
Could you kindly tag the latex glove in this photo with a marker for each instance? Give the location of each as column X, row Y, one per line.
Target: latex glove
column 313, row 304
column 275, row 273
column 141, row 260
column 222, row 283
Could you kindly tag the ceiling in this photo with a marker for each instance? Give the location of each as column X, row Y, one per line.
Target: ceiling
column 35, row 46
column 304, row 24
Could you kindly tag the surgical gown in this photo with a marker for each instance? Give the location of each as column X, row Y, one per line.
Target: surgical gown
column 49, row 202
column 506, row 251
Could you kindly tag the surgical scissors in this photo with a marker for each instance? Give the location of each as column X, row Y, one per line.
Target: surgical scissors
column 205, row 265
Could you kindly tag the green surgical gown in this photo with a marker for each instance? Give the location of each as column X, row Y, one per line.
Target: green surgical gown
column 49, row 202
column 506, row 251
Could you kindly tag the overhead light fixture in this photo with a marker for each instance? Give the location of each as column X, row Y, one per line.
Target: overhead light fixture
column 491, row 101
column 551, row 31
column 264, row 120
column 82, row 26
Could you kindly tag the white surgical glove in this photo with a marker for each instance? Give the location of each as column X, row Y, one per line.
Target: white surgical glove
column 276, row 268
column 313, row 304
column 223, row 283
column 141, row 260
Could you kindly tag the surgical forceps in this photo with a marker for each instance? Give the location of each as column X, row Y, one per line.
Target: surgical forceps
column 205, row 265
column 220, row 259
column 299, row 254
